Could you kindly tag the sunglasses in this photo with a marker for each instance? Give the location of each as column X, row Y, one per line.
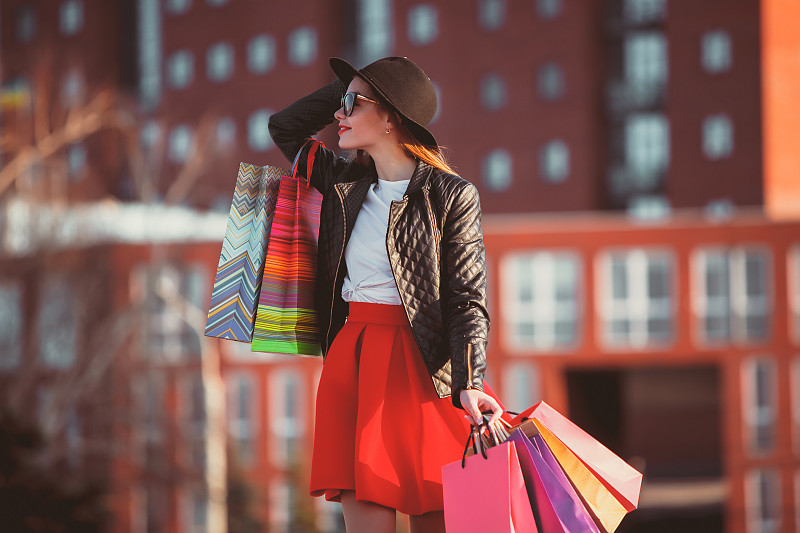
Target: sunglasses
column 349, row 102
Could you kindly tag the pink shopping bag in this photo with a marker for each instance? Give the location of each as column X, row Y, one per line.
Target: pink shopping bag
column 487, row 494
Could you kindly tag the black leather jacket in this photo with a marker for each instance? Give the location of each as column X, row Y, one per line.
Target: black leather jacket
column 434, row 243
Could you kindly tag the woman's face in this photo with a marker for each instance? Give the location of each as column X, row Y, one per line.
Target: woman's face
column 367, row 125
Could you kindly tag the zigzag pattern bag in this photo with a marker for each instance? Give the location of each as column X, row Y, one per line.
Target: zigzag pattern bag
column 237, row 283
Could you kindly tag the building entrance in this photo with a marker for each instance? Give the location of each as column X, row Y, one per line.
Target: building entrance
column 666, row 422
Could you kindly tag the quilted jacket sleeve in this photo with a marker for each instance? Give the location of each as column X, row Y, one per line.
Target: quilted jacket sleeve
column 292, row 126
column 465, row 291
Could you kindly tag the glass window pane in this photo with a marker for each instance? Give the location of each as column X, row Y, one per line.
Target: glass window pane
column 258, row 132
column 619, row 279
column 11, row 314
column 717, row 136
column 554, row 161
column 658, row 279
column 498, row 170
column 716, row 51
column 492, row 13
column 423, row 24
column 548, row 9
column 303, row 46
column 261, row 54
column 494, row 94
column 550, row 82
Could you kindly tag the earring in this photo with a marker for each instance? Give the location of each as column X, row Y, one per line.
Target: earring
column 387, row 132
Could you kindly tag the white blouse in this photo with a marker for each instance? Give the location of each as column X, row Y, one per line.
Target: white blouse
column 369, row 275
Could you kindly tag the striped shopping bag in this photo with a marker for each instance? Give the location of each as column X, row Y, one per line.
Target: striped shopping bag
column 286, row 320
column 237, row 283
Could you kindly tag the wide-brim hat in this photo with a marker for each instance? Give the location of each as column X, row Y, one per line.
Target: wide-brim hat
column 401, row 84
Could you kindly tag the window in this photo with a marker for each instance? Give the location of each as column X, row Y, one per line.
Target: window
column 11, row 316
column 287, row 423
column 760, row 404
column 258, row 130
column 220, row 62
column 216, row 3
column 548, row 9
column 717, row 136
column 193, row 415
column 554, row 161
column 647, row 150
column 423, row 24
column 149, row 39
column 177, row 7
column 715, row 51
column 261, row 54
column 180, row 69
column 303, row 46
column 763, row 501
column 180, row 143
column 521, row 387
column 374, row 29
column 25, row 23
column 494, row 95
column 150, row 134
column 497, row 170
column 243, row 416
column 646, row 59
column 148, row 419
column 793, row 272
column 76, row 161
column 550, row 82
column 57, row 323
column 226, row 132
column 195, row 505
column 492, row 13
column 73, row 90
column 733, row 301
column 794, row 384
column 541, row 289
column 72, row 439
column 643, row 11
column 635, row 298
column 70, row 17
column 163, row 291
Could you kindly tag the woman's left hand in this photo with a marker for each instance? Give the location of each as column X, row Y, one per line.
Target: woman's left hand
column 475, row 401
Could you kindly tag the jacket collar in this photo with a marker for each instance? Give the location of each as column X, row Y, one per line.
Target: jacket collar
column 420, row 179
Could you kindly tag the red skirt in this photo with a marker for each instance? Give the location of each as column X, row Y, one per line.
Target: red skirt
column 380, row 428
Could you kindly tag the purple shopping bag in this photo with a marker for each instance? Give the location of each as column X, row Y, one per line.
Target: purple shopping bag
column 559, row 508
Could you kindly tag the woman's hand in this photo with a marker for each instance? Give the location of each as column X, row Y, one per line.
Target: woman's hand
column 475, row 401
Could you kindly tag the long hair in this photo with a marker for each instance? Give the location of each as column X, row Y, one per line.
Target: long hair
column 431, row 155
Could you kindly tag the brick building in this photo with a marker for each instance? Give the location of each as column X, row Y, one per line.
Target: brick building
column 670, row 332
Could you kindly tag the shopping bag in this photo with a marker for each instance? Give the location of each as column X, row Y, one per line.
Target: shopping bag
column 286, row 319
column 237, row 284
column 557, row 505
column 487, row 494
column 608, row 486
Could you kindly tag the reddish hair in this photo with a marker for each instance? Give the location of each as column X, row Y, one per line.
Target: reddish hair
column 431, row 155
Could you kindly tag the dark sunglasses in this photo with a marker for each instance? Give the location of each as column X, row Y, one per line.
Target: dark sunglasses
column 349, row 102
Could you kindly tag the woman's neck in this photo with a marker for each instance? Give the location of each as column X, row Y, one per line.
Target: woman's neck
column 392, row 163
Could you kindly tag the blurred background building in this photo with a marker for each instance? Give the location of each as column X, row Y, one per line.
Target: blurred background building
column 638, row 163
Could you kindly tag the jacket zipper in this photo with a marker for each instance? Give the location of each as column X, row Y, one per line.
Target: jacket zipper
column 469, row 366
column 336, row 272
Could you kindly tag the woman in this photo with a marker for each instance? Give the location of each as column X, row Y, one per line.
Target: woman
column 400, row 296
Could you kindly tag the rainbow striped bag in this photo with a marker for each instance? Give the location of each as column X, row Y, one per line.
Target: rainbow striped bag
column 286, row 319
column 238, row 280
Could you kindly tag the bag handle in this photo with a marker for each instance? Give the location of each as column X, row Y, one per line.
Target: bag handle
column 312, row 152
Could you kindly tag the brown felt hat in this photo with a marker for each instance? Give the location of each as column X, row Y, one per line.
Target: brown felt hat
column 401, row 84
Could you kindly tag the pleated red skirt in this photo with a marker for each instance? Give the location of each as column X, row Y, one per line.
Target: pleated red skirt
column 381, row 430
